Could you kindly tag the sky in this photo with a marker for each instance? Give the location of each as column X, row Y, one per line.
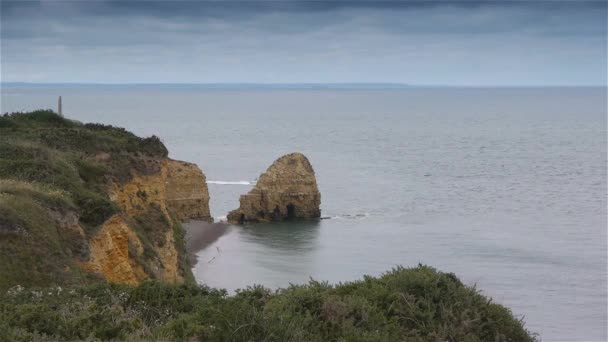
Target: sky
column 457, row 43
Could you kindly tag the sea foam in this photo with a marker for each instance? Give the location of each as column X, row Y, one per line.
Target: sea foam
column 230, row 182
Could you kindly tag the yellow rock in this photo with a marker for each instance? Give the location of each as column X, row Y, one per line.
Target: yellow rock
column 187, row 193
column 178, row 190
column 288, row 189
column 109, row 253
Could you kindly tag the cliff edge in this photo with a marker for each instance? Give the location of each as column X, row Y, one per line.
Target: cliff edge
column 287, row 190
column 80, row 202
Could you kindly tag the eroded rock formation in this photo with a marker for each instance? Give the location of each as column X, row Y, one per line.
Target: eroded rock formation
column 187, row 193
column 93, row 198
column 287, row 190
column 110, row 255
column 178, row 190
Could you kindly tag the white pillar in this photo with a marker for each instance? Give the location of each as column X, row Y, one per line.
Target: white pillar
column 59, row 109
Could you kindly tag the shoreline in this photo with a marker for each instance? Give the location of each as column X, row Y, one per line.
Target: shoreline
column 200, row 235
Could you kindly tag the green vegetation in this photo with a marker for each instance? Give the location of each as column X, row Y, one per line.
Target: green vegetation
column 54, row 174
column 418, row 304
column 43, row 147
column 34, row 250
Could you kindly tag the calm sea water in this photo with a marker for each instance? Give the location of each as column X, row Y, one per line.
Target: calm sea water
column 504, row 187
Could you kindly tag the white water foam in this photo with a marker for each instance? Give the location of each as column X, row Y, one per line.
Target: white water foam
column 230, row 182
column 350, row 217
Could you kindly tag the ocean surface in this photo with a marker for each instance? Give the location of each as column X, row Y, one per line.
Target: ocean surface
column 505, row 187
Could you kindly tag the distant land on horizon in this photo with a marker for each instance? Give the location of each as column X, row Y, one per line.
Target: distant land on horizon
column 244, row 85
column 268, row 85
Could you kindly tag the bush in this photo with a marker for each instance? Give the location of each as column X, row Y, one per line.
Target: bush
column 94, row 209
column 41, row 116
column 417, row 304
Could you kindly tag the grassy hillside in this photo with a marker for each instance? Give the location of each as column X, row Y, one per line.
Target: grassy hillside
column 418, row 304
column 54, row 174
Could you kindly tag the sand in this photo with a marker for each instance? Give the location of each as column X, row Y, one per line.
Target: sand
column 200, row 235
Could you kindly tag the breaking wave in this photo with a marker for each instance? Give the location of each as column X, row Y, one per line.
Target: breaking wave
column 230, row 182
column 347, row 217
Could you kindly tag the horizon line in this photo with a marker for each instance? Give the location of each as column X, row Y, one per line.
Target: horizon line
column 395, row 85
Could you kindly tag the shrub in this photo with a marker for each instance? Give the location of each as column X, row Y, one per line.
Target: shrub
column 41, row 116
column 94, row 209
column 417, row 304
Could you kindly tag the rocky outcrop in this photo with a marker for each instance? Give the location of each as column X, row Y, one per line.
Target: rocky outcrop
column 287, row 190
column 150, row 201
column 179, row 188
column 70, row 229
column 110, row 256
column 187, row 193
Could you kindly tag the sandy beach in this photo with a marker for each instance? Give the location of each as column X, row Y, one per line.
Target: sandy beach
column 201, row 234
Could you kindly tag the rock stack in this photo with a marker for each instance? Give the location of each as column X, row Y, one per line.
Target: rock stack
column 287, row 190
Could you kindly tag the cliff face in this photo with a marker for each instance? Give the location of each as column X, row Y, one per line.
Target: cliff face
column 110, row 256
column 178, row 190
column 95, row 198
column 187, row 193
column 287, row 190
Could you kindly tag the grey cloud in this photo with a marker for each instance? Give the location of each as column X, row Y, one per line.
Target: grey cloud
column 421, row 42
column 48, row 19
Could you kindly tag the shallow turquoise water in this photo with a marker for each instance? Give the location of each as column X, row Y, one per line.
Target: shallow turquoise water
column 504, row 187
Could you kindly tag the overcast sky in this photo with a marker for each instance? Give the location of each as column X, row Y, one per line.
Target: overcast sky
column 424, row 43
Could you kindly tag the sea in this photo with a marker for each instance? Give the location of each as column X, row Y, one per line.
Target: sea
column 505, row 187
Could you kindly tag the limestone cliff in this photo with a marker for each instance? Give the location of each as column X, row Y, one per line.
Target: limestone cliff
column 288, row 189
column 79, row 202
column 178, row 188
column 177, row 191
column 187, row 193
column 110, row 256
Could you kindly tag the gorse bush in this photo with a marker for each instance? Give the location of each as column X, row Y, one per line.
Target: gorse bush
column 418, row 304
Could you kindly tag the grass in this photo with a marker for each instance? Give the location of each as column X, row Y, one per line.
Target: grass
column 51, row 168
column 57, row 132
column 416, row 304
column 35, row 250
